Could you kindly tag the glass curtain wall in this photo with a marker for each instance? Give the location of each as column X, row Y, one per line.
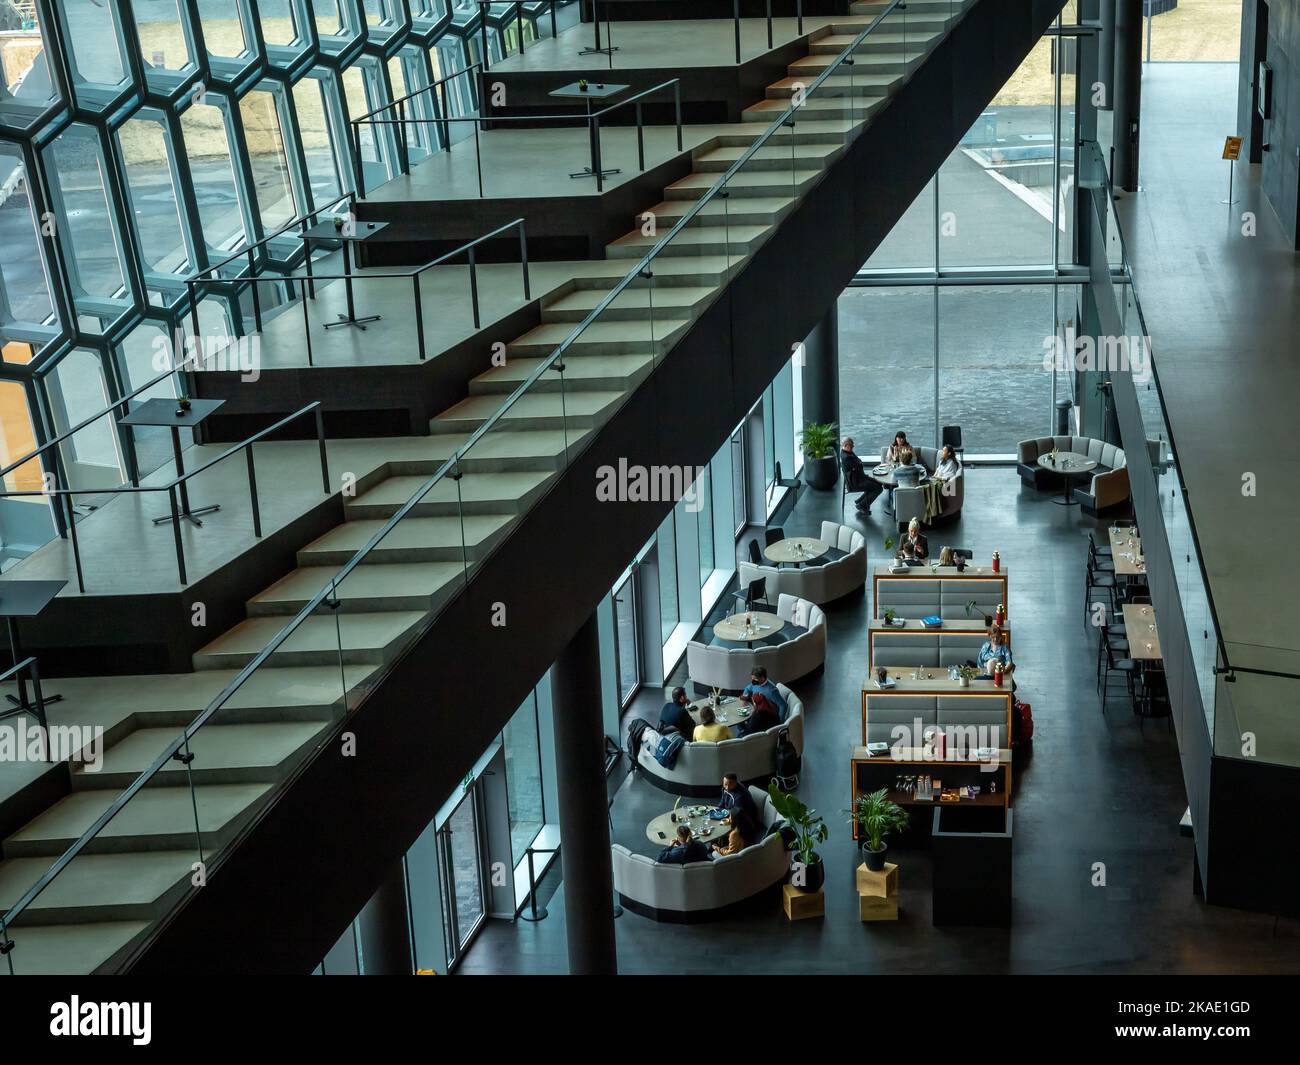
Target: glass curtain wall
column 942, row 327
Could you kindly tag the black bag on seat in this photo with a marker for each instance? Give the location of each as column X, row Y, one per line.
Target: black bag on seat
column 788, row 762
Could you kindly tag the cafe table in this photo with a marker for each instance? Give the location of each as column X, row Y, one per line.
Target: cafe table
column 730, row 711
column 736, row 628
column 1126, row 552
column 1141, row 632
column 1068, row 464
column 796, row 549
column 662, row 830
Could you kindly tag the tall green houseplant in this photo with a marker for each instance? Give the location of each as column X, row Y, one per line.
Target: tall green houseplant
column 809, row 829
column 877, row 817
column 818, row 442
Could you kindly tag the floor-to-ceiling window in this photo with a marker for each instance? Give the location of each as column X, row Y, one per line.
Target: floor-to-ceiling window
column 627, row 641
column 522, row 745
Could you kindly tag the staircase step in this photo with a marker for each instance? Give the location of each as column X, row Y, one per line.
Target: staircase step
column 374, row 639
column 852, row 110
column 809, row 129
column 605, row 372
column 739, row 210
column 501, row 451
column 73, row 949
column 369, row 588
column 672, row 301
column 710, row 270
column 411, row 540
column 781, row 159
column 706, row 240
column 479, row 493
column 154, row 819
column 223, row 754
column 137, row 886
column 629, row 337
column 868, row 85
column 746, row 183
column 577, row 409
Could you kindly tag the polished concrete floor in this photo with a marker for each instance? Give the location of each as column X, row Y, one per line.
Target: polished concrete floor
column 1097, row 789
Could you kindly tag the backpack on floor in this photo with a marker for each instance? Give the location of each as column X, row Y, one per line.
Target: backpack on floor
column 787, row 761
column 1022, row 724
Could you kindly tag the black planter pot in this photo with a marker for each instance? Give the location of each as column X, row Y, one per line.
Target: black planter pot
column 814, row 876
column 875, row 859
column 821, row 473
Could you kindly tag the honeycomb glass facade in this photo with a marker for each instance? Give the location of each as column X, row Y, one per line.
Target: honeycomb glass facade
column 143, row 142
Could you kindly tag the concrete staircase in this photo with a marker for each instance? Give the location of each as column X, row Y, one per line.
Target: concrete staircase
column 143, row 861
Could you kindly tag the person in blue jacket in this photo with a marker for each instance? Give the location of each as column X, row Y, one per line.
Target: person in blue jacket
column 758, row 682
column 683, row 849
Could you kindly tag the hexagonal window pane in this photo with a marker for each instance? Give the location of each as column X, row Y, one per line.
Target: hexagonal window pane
column 315, row 101
column 24, row 284
column 280, row 24
column 328, row 16
column 146, row 152
column 17, row 438
column 163, row 33
column 87, row 228
column 93, row 32
column 225, row 28
column 264, row 136
column 26, row 88
column 75, row 390
column 145, row 354
column 363, row 87
column 207, row 146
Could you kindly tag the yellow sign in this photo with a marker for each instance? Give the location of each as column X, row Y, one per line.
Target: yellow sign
column 1232, row 148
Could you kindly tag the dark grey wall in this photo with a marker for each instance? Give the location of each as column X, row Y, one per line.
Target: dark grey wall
column 1279, row 46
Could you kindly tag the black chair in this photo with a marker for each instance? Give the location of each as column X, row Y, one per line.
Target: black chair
column 755, row 593
column 963, row 552
column 1099, row 580
column 1097, row 560
column 1108, row 637
column 755, row 555
column 951, row 437
column 1098, row 550
column 773, row 534
column 1125, row 667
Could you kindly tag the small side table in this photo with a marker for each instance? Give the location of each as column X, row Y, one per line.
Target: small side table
column 167, row 413
column 26, row 599
column 878, row 893
column 800, row 905
column 356, row 233
column 591, row 93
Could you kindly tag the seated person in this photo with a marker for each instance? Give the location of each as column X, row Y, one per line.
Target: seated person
column 914, row 538
column 908, row 556
column 735, row 796
column 708, row 730
column 683, row 849
column 758, row 682
column 676, row 715
column 995, row 648
column 742, row 835
column 948, row 466
column 908, row 473
column 855, row 477
column 896, row 449
column 946, row 557
column 763, row 718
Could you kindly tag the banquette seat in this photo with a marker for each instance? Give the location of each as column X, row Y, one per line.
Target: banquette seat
column 909, row 503
column 819, row 582
column 729, row 667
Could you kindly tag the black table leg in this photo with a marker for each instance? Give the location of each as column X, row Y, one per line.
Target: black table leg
column 22, row 702
column 351, row 317
column 608, row 49
column 190, row 515
column 586, row 171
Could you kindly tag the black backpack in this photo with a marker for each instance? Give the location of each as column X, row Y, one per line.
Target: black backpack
column 787, row 758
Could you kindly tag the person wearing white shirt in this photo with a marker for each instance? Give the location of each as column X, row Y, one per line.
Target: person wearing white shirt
column 948, row 467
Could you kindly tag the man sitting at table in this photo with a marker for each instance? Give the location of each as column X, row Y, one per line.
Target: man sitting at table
column 855, row 477
column 709, row 730
column 763, row 718
column 683, row 849
column 676, row 715
column 735, row 796
column 758, row 682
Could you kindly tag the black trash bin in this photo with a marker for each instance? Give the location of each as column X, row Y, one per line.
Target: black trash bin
column 971, row 846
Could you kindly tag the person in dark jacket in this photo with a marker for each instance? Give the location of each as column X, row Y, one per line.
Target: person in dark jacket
column 683, row 849
column 763, row 718
column 856, row 478
column 735, row 796
column 676, row 715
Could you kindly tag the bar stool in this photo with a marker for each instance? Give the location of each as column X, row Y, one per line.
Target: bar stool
column 1097, row 550
column 1098, row 579
column 1126, row 667
column 1108, row 637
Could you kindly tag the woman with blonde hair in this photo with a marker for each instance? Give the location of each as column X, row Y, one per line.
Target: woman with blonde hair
column 916, row 538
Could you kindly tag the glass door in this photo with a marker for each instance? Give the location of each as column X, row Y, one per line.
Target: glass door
column 460, row 857
column 627, row 638
column 740, row 499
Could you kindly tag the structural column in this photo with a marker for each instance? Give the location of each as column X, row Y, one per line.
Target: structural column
column 1106, row 53
column 821, row 370
column 584, row 804
column 1128, row 91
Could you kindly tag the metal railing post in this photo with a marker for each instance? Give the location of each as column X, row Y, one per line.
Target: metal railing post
column 478, row 158
column 419, row 316
column 593, row 125
column 358, row 172
column 736, row 16
column 306, row 323
column 640, row 138
column 320, row 441
column 798, row 10
column 677, row 107
column 176, row 532
column 769, row 24
column 443, row 125
column 252, row 492
column 404, row 147
column 306, row 261
column 523, row 258
column 76, row 547
column 473, row 286
column 257, row 300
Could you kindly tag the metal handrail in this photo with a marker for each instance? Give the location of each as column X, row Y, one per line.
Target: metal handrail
column 308, row 282
column 246, row 253
column 447, row 466
column 37, row 710
column 171, row 487
column 591, row 120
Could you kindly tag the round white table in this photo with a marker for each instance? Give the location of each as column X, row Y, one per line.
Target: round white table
column 663, row 829
column 796, row 549
column 735, row 630
column 1068, row 464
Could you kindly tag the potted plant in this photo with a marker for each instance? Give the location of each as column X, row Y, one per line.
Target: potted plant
column 890, row 616
column 876, row 817
column 966, row 674
column 818, row 440
column 809, row 829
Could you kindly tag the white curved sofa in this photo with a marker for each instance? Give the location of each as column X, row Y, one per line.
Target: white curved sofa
column 818, row 583
column 729, row 668
column 699, row 890
column 700, row 767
